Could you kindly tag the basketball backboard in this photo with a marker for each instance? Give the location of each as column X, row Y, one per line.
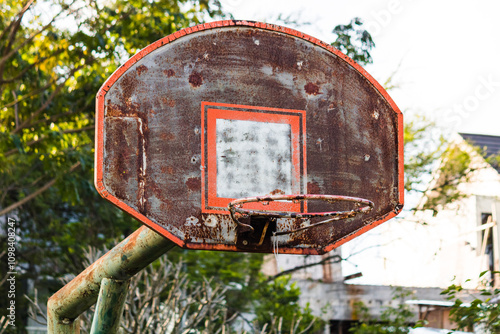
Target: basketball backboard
column 236, row 109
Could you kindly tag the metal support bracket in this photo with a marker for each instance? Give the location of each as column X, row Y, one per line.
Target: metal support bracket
column 121, row 263
column 109, row 307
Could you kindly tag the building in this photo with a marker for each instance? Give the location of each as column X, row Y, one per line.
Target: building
column 424, row 251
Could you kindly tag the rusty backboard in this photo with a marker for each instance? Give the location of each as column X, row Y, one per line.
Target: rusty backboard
column 232, row 109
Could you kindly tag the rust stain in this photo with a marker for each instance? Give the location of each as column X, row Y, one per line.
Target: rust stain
column 130, row 243
column 167, row 169
column 170, row 72
column 129, row 85
column 337, row 184
column 277, row 192
column 114, row 110
column 195, row 79
column 167, row 136
column 141, row 69
column 194, row 183
column 168, row 101
column 312, row 89
column 313, row 188
column 163, row 207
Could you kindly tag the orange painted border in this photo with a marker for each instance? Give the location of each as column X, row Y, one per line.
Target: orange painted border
column 99, row 134
column 210, row 156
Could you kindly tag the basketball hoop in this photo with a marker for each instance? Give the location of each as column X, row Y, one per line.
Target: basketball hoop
column 212, row 125
column 363, row 206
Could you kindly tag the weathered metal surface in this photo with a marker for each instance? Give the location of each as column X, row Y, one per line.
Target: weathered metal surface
column 178, row 136
column 109, row 307
column 122, row 262
column 56, row 325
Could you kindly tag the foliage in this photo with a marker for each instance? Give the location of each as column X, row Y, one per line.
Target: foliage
column 483, row 312
column 423, row 147
column 164, row 298
column 395, row 320
column 236, row 271
column 455, row 169
column 247, row 290
column 54, row 56
column 279, row 299
column 49, row 73
column 494, row 160
column 436, row 167
column 354, row 41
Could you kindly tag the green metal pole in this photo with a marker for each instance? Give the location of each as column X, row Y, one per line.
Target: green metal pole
column 121, row 263
column 109, row 307
column 57, row 325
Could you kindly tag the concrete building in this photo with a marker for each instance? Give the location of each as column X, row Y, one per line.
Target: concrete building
column 424, row 251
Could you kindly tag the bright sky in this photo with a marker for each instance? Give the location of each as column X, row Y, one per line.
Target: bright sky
column 448, row 49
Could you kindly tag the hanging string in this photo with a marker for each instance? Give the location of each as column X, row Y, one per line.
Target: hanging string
column 275, row 248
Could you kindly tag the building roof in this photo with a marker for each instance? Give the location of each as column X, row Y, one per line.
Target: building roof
column 431, row 303
column 426, row 330
column 490, row 144
column 425, row 302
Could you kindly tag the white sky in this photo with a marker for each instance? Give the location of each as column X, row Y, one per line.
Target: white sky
column 448, row 50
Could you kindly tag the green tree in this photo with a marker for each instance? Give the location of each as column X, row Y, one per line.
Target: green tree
column 449, row 163
column 395, row 320
column 278, row 299
column 50, row 69
column 484, row 310
column 54, row 56
column 354, row 41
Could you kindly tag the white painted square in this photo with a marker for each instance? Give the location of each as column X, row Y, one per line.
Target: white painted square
column 253, row 158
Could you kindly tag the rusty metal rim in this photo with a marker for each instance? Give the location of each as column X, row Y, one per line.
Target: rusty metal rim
column 236, row 206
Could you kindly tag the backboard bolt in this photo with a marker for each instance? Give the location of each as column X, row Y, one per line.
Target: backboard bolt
column 244, row 242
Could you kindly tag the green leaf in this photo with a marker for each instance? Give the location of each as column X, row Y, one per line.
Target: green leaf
column 17, row 142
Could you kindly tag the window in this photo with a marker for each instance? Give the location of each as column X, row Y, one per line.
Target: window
column 487, row 252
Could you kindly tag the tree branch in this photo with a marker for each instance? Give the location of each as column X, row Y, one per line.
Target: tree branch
column 16, row 109
column 43, row 137
column 67, row 113
column 46, row 104
column 30, row 94
column 20, row 15
column 36, row 193
column 30, row 66
column 29, row 39
column 335, row 258
column 15, row 24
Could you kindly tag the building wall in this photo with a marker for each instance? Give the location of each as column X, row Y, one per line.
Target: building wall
column 427, row 250
column 423, row 251
column 336, row 301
